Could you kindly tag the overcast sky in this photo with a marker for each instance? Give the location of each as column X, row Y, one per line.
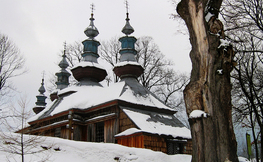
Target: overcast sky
column 39, row 28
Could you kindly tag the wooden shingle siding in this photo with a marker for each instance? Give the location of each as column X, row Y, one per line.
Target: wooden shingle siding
column 125, row 122
column 155, row 143
column 188, row 147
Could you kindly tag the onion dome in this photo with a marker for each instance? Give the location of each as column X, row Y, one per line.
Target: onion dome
column 88, row 68
column 41, row 103
column 62, row 76
column 91, row 31
column 127, row 29
column 42, row 89
column 63, row 64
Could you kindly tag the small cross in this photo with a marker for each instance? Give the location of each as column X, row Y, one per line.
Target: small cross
column 65, row 47
column 127, row 5
column 43, row 73
column 92, row 7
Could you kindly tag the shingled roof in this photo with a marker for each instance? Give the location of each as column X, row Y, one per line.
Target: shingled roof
column 155, row 123
column 86, row 96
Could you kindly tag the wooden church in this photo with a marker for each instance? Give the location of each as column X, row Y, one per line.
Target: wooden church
column 125, row 113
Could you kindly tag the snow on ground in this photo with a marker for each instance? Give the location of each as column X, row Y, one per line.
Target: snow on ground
column 242, row 159
column 88, row 151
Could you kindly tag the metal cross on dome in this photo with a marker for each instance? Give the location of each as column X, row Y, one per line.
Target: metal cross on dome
column 127, row 5
column 65, row 48
column 92, row 7
column 43, row 75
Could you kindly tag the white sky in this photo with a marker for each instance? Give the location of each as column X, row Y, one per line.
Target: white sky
column 39, row 28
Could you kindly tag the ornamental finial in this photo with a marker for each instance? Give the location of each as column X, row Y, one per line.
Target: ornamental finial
column 43, row 75
column 65, row 48
column 91, row 31
column 63, row 63
column 42, row 90
column 127, row 29
column 127, row 6
column 92, row 7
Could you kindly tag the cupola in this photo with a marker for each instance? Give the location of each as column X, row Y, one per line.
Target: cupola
column 128, row 65
column 89, row 69
column 41, row 103
column 62, row 76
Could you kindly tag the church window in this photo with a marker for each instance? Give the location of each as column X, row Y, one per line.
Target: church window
column 57, row 132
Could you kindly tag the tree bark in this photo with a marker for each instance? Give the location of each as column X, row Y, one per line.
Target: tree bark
column 209, row 88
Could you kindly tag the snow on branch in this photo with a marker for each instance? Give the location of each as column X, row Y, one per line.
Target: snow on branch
column 224, row 43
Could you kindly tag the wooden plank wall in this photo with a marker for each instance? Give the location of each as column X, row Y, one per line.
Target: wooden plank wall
column 125, row 122
column 77, row 133
column 132, row 141
column 91, row 134
column 110, row 130
column 50, row 133
column 152, row 142
column 64, row 133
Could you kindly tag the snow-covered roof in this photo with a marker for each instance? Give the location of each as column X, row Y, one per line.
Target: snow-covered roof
column 87, row 96
column 88, row 63
column 127, row 63
column 155, row 123
column 128, row 132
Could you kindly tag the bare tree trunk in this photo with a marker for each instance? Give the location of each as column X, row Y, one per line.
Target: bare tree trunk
column 253, row 133
column 209, row 89
column 22, row 132
column 22, row 145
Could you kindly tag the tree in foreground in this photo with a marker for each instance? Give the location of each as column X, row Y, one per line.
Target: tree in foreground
column 208, row 94
column 11, row 64
column 19, row 143
column 244, row 28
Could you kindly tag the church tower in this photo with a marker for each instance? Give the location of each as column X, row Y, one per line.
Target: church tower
column 128, row 65
column 41, row 103
column 62, row 76
column 88, row 71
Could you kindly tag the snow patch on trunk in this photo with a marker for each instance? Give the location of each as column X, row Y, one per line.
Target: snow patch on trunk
column 198, row 114
column 208, row 16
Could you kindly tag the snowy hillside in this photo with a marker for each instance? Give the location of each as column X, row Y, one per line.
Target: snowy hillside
column 69, row 151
